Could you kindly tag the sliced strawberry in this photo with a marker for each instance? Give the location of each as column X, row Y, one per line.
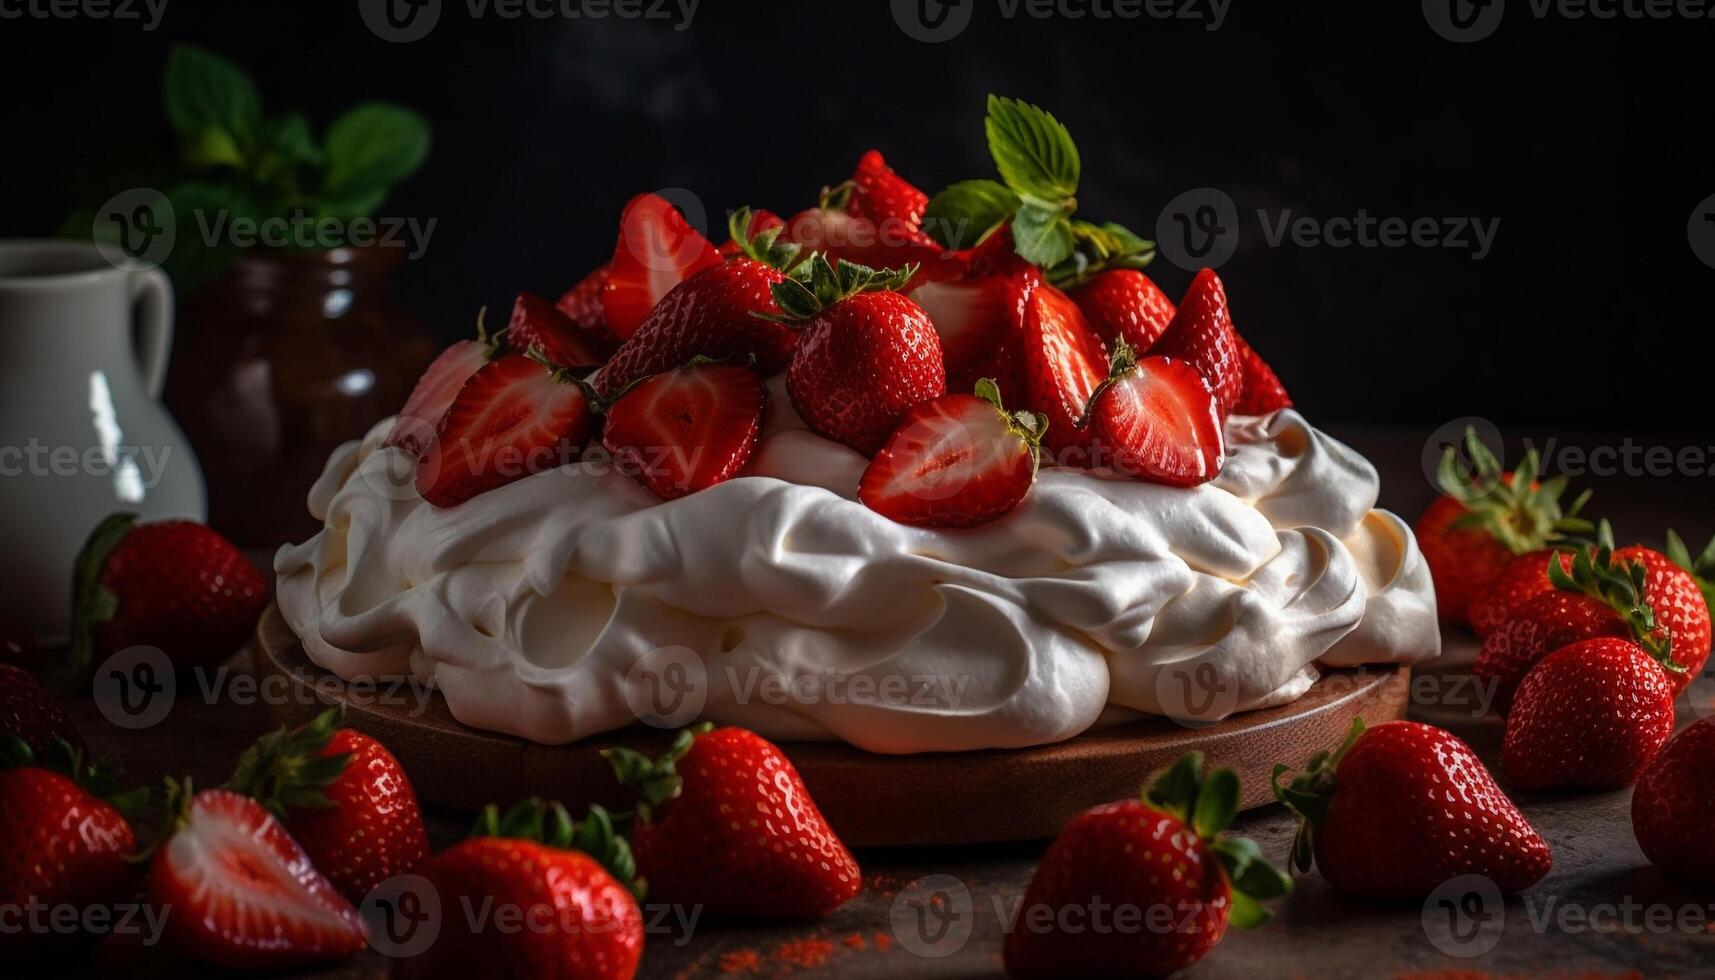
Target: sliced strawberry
column 1127, row 304
column 243, row 894
column 956, row 461
column 657, row 250
column 760, row 221
column 1157, row 420
column 513, row 418
column 537, row 325
column 414, row 429
column 1064, row 362
column 1262, row 392
column 582, row 304
column 981, row 324
column 1202, row 333
column 687, row 429
column 855, row 238
column 883, row 196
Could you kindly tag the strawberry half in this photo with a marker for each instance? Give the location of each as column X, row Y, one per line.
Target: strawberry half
column 1202, row 333
column 980, row 320
column 537, row 326
column 243, row 893
column 687, row 429
column 513, row 418
column 957, row 461
column 1125, row 304
column 414, row 428
column 657, row 250
column 1064, row 361
column 1157, row 420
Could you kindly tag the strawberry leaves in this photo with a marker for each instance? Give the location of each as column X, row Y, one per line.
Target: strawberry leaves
column 285, row 769
column 1622, row 587
column 550, row 825
column 1514, row 510
column 822, row 285
column 1701, row 568
column 1208, row 804
column 1039, row 169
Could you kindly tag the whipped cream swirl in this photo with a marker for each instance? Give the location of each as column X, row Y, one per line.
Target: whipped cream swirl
column 791, row 609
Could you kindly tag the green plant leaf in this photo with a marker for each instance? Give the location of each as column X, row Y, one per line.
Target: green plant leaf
column 1032, row 150
column 205, row 91
column 1217, row 804
column 207, row 149
column 1042, row 234
column 964, row 212
column 374, row 146
column 203, row 212
column 289, row 137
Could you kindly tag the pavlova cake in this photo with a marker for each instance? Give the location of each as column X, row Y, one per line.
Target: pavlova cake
column 914, row 474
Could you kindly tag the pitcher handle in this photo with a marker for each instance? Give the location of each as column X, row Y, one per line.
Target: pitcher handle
column 152, row 296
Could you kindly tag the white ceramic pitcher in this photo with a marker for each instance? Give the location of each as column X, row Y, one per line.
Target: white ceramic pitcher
column 83, row 354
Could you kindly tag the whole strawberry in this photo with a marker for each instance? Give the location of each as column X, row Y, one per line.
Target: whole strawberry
column 1400, row 809
column 588, row 925
column 343, row 796
column 62, row 845
column 726, row 823
column 1673, row 806
column 32, row 713
column 1522, row 579
column 1676, row 598
column 1470, row 534
column 174, row 585
column 1164, row 852
column 722, row 312
column 1590, row 716
column 1202, row 333
column 866, row 355
column 1541, row 626
column 243, row 895
column 582, row 304
column 1263, row 391
column 1125, row 304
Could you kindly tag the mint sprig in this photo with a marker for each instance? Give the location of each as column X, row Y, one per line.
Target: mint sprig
column 1039, row 169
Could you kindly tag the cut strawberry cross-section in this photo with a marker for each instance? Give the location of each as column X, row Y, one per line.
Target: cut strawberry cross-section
column 980, row 319
column 514, row 417
column 956, row 461
column 687, row 429
column 657, row 250
column 414, row 429
column 1157, row 420
column 1064, row 361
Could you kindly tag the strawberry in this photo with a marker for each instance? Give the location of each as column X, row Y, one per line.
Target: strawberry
column 344, row 798
column 657, row 250
column 414, row 429
column 956, row 461
column 718, row 313
column 1064, row 362
column 1484, row 519
column 1676, row 598
column 580, row 919
column 62, row 844
column 979, row 319
column 1399, row 809
column 1119, row 855
column 725, row 822
column 1156, row 420
column 1125, row 304
column 243, row 894
column 174, row 585
column 1541, row 626
column 874, row 219
column 1522, row 579
column 762, row 220
column 687, row 429
column 582, row 304
column 1701, row 568
column 1262, row 392
column 881, row 195
column 1673, row 806
column 866, row 355
column 32, row 713
column 1201, row 332
column 515, row 417
column 537, row 326
column 1589, row 716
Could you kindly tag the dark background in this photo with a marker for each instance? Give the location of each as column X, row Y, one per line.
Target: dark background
column 1591, row 141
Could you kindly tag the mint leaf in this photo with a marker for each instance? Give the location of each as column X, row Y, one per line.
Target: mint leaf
column 1042, row 234
column 288, row 136
column 205, row 91
column 207, row 149
column 373, row 146
column 1033, row 151
column 964, row 212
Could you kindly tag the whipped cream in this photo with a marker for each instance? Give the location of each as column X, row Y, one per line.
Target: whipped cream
column 791, row 609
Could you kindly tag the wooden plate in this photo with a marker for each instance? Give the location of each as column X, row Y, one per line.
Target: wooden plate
column 871, row 800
